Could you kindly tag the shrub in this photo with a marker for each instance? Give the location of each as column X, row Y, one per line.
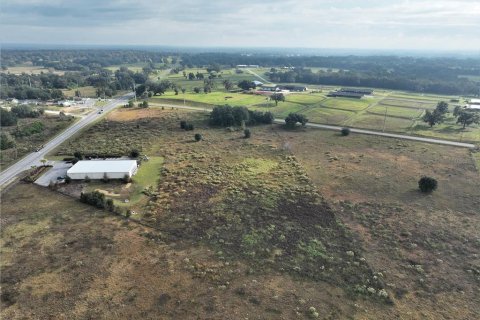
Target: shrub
column 134, row 153
column 87, row 179
column 6, row 141
column 183, row 124
column 7, row 118
column 198, row 137
column 189, row 127
column 292, row 119
column 126, row 178
column 68, row 179
column 94, row 198
column 427, row 184
column 105, row 178
column 128, row 213
column 345, row 131
column 109, row 205
column 78, row 155
column 247, row 133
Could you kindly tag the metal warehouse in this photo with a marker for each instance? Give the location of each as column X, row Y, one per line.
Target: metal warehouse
column 97, row 169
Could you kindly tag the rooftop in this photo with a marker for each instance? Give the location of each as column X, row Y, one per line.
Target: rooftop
column 101, row 166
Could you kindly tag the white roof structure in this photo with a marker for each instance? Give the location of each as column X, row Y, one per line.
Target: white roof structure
column 473, row 106
column 96, row 169
column 102, row 166
column 474, row 101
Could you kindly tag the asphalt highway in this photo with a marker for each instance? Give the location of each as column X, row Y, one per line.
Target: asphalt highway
column 33, row 159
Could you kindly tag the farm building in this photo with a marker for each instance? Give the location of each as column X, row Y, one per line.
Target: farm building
column 269, row 87
column 350, row 93
column 473, row 104
column 97, row 169
column 257, row 83
column 294, row 88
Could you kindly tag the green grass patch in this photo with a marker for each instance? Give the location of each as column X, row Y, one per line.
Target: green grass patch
column 214, row 98
column 280, row 111
column 407, row 113
column 328, row 116
column 407, row 103
column 376, row 122
column 255, row 166
column 149, row 172
column 305, row 98
column 346, row 104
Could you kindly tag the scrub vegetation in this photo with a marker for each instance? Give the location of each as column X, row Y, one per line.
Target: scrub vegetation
column 286, row 224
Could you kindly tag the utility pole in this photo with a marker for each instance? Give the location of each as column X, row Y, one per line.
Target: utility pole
column 135, row 92
column 385, row 119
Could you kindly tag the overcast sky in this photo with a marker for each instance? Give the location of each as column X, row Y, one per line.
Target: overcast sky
column 367, row 24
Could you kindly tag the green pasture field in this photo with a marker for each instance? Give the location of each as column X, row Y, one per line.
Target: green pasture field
column 305, row 98
column 282, row 110
column 407, row 113
column 328, row 116
column 409, row 103
column 214, row 98
column 404, row 109
column 422, row 97
column 347, row 104
column 448, row 130
column 376, row 122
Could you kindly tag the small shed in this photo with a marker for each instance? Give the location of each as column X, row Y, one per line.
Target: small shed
column 97, row 169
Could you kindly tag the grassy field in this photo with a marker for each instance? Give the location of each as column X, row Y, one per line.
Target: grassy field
column 404, row 109
column 87, row 91
column 214, row 98
column 26, row 144
column 266, row 227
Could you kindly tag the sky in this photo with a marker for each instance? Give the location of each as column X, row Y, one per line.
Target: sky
column 436, row 25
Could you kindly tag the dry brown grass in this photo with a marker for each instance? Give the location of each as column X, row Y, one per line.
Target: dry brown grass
column 91, row 265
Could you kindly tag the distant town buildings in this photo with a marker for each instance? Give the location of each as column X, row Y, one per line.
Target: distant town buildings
column 248, row 66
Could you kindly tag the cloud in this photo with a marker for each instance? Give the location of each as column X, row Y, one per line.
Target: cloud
column 306, row 23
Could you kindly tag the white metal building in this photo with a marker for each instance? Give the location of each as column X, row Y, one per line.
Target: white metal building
column 96, row 169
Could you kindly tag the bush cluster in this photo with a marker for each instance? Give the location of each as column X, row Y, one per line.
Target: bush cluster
column 292, row 119
column 33, row 128
column 226, row 116
column 97, row 199
column 345, row 131
column 186, row 126
column 25, row 111
column 427, row 184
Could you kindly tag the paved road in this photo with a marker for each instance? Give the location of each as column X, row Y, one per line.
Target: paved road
column 361, row 131
column 33, row 159
column 256, row 75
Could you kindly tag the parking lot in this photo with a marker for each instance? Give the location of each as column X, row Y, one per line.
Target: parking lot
column 59, row 169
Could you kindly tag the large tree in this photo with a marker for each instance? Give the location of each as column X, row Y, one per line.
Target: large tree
column 246, row 85
column 277, row 97
column 442, row 107
column 433, row 118
column 228, row 85
column 467, row 118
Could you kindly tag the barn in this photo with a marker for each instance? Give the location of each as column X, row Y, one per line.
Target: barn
column 98, row 169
